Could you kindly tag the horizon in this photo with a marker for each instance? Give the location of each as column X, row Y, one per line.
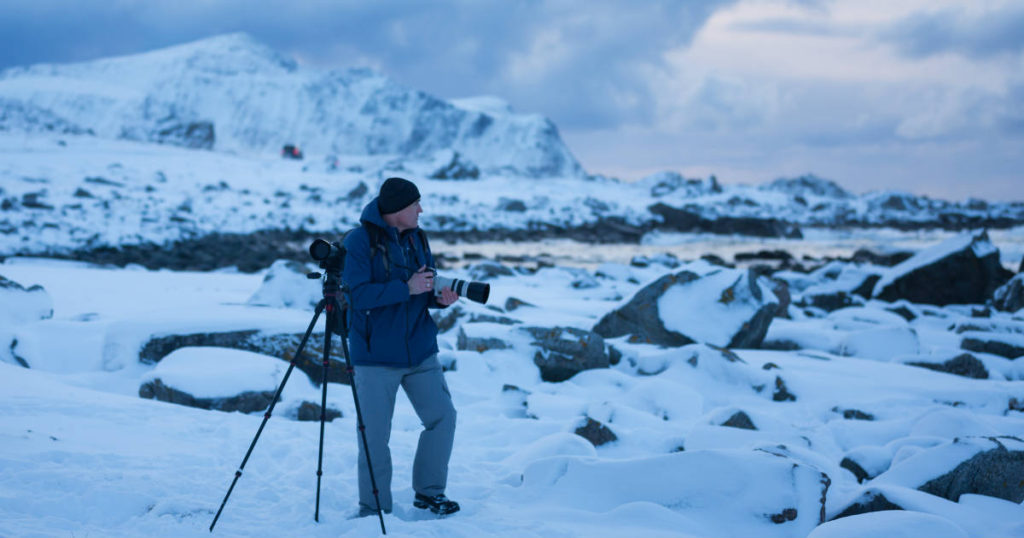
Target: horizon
column 922, row 98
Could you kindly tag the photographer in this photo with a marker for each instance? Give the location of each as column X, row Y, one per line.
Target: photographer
column 393, row 342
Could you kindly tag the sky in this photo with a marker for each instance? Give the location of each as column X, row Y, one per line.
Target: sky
column 924, row 96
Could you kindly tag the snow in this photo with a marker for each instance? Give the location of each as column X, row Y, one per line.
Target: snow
column 114, row 464
column 889, row 524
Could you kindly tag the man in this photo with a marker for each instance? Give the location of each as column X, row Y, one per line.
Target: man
column 393, row 342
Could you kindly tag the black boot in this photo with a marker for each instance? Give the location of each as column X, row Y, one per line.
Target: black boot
column 438, row 504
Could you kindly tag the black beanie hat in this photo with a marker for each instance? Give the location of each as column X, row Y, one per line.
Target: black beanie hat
column 396, row 194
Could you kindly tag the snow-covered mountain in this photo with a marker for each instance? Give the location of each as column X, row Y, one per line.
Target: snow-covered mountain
column 186, row 141
column 231, row 93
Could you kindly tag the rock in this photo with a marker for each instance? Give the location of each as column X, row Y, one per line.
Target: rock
column 358, row 192
column 479, row 344
column 286, row 286
column 962, row 270
column 830, row 302
column 1010, row 296
column 889, row 259
column 740, row 420
column 965, row 365
column 446, row 319
column 684, row 220
column 565, row 351
column 280, row 345
column 997, row 472
column 23, row 305
column 513, row 303
column 195, row 134
column 595, row 432
column 450, row 164
column 246, row 402
column 726, row 307
column 854, row 414
column 870, row 501
column 488, row 270
column 309, row 411
column 511, row 205
column 1010, row 346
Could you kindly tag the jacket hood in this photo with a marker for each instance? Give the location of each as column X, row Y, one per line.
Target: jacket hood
column 371, row 214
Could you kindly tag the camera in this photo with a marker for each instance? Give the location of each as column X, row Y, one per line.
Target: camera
column 474, row 291
column 330, row 255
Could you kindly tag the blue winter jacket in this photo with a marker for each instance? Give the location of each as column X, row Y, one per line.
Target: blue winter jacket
column 387, row 325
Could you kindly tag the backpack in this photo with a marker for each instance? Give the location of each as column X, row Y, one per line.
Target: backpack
column 378, row 244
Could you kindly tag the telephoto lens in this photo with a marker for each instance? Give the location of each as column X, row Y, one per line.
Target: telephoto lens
column 474, row 291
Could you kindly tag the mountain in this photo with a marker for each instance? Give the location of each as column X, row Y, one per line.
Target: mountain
column 233, row 94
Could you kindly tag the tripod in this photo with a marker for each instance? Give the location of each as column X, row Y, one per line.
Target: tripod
column 334, row 302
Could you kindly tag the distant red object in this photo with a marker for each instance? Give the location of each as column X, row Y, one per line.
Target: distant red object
column 290, row 151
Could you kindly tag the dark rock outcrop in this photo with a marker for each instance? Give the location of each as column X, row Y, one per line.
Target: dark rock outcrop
column 565, row 351
column 991, row 343
column 965, row 365
column 870, row 501
column 684, row 220
column 479, row 344
column 246, row 402
column 968, row 273
column 740, row 420
column 998, row 472
column 595, row 432
column 1010, row 296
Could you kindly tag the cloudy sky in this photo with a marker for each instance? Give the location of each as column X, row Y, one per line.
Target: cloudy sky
column 925, row 96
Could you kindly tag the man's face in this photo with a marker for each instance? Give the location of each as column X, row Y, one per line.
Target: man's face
column 409, row 217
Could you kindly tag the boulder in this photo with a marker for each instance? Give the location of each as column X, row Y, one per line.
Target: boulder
column 245, row 402
column 23, row 305
column 222, row 379
column 962, row 270
column 870, row 501
column 740, row 420
column 565, row 351
column 1010, row 346
column 719, row 365
column 487, row 270
column 281, row 345
column 992, row 466
column 1010, row 296
column 598, row 434
column 725, row 307
column 965, row 365
column 286, row 286
column 479, row 342
column 996, row 472
column 310, row 412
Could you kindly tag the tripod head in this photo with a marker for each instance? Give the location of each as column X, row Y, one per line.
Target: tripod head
column 331, row 257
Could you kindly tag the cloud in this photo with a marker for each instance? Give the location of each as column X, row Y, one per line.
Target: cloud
column 975, row 31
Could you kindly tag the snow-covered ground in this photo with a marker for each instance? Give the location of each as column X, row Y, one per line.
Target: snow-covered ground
column 82, row 454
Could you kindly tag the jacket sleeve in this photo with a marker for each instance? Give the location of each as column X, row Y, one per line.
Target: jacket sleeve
column 432, row 263
column 364, row 293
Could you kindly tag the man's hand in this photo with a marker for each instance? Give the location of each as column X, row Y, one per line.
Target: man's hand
column 447, row 296
column 422, row 281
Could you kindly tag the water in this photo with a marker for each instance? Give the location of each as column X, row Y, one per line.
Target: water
column 816, row 244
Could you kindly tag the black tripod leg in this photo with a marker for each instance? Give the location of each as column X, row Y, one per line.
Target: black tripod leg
column 323, row 408
column 266, row 416
column 362, row 427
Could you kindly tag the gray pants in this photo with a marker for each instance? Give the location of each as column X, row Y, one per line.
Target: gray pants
column 428, row 392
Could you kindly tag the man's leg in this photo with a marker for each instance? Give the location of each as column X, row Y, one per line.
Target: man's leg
column 376, row 387
column 429, row 395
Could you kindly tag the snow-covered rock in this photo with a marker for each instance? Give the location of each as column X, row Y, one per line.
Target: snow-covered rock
column 962, row 270
column 286, row 286
column 1010, row 296
column 889, row 524
column 723, row 307
column 228, row 380
column 565, row 351
column 23, row 305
